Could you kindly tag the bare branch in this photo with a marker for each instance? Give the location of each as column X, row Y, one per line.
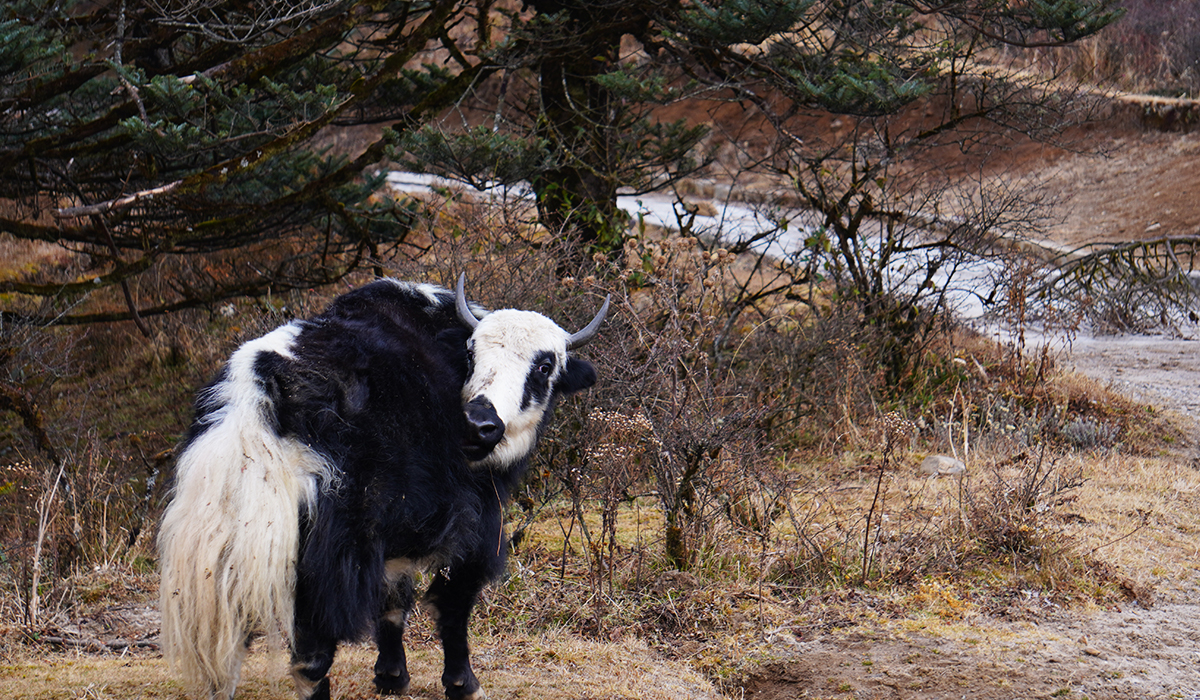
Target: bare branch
column 116, row 204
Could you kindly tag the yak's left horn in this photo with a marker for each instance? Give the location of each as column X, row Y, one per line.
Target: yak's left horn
column 460, row 301
column 589, row 331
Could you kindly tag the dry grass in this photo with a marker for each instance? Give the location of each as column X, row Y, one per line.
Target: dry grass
column 551, row 665
column 26, row 260
column 642, row 630
column 1139, row 514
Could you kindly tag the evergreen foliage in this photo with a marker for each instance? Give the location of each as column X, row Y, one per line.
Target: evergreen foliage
column 156, row 134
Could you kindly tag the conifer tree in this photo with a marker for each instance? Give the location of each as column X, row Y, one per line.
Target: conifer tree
column 185, row 137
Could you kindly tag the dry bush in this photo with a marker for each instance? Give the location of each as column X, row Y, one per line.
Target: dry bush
column 674, row 426
column 94, row 511
column 1005, row 513
column 892, row 527
column 829, row 365
column 703, row 402
column 33, row 364
column 735, row 462
column 89, row 415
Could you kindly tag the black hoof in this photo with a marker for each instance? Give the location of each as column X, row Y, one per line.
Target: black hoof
column 321, row 690
column 466, row 691
column 386, row 684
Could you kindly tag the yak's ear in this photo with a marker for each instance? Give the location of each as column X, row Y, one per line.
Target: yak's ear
column 454, row 343
column 577, row 376
column 454, row 338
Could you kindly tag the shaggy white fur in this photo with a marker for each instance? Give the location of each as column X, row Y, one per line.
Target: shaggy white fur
column 229, row 538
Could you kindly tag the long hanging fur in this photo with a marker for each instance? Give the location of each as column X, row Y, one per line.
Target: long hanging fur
column 230, row 536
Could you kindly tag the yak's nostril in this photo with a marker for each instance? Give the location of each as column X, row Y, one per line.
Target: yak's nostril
column 488, row 429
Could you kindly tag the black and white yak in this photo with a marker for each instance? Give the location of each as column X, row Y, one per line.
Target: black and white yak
column 333, row 458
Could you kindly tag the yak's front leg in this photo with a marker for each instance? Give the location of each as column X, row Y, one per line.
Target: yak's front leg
column 391, row 668
column 453, row 594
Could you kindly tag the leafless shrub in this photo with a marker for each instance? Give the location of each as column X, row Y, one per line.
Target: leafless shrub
column 700, row 432
column 31, row 363
column 1007, row 513
column 833, row 376
column 701, row 416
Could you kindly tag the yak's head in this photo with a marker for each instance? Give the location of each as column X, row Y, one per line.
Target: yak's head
column 519, row 366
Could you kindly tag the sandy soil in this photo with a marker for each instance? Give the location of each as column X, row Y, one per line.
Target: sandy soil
column 1160, row 371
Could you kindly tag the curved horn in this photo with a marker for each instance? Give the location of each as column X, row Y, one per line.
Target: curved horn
column 589, row 331
column 460, row 301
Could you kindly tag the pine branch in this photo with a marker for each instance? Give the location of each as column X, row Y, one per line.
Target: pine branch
column 119, row 204
column 360, row 90
column 49, row 234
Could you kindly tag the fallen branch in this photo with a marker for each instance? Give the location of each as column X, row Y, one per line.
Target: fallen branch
column 92, row 643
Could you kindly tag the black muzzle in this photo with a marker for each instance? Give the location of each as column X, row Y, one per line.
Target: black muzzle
column 484, row 430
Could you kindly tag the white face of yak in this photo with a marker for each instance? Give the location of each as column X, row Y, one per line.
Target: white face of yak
column 518, row 366
column 517, row 358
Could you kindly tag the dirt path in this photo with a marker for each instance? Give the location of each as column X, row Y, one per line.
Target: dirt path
column 1161, row 371
column 1132, row 653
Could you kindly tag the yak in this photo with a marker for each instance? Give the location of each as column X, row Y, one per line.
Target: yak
column 332, row 459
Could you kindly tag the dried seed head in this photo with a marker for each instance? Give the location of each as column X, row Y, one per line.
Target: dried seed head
column 896, row 426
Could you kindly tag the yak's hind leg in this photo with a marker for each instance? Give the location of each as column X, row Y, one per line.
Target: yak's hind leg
column 312, row 656
column 391, row 668
column 453, row 594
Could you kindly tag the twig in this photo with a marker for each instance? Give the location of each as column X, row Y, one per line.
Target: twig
column 866, row 565
column 45, row 503
column 125, row 290
column 1126, row 536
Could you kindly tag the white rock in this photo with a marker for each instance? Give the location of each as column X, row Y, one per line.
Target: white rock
column 941, row 465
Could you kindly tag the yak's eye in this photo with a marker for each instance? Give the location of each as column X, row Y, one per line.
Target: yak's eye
column 545, row 367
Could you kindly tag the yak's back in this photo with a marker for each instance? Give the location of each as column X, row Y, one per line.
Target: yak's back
column 420, row 308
